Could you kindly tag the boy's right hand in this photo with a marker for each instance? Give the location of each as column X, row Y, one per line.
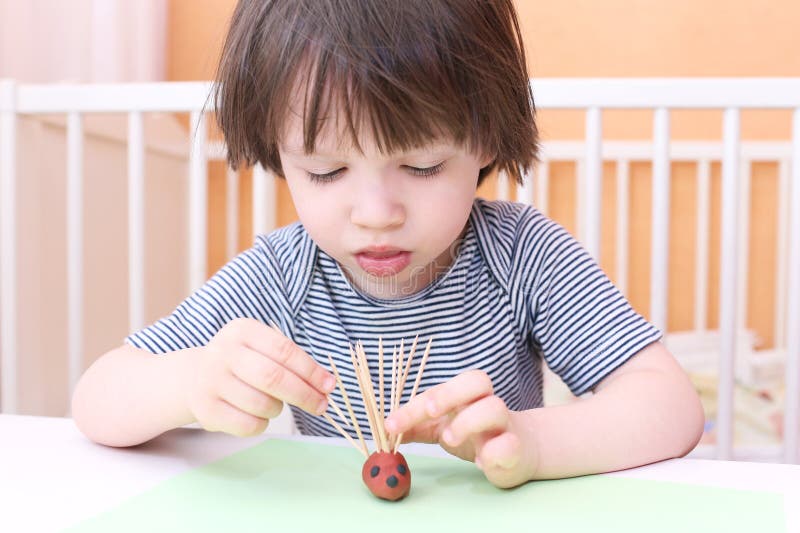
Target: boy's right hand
column 246, row 373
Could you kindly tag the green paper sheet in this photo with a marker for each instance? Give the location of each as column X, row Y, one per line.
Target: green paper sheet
column 299, row 486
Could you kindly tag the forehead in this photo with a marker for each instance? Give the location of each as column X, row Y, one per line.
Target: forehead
column 334, row 110
column 334, row 138
column 331, row 134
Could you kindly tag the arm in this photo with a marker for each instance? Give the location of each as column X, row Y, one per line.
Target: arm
column 645, row 411
column 129, row 396
column 235, row 384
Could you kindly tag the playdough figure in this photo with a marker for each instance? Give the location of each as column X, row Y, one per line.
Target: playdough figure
column 387, row 475
column 386, row 471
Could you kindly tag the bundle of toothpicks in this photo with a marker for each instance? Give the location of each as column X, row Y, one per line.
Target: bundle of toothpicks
column 375, row 404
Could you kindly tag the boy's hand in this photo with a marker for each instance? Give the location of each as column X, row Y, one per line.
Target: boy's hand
column 465, row 417
column 246, row 373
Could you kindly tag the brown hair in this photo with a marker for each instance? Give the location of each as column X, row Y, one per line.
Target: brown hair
column 408, row 70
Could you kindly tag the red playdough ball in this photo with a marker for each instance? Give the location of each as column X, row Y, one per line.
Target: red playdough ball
column 387, row 475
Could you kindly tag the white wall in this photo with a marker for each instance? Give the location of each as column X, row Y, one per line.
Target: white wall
column 42, row 305
column 83, row 40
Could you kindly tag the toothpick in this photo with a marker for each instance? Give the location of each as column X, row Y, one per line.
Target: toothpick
column 375, row 405
column 332, row 422
column 364, row 394
column 380, row 374
column 370, row 393
column 402, row 384
column 370, row 396
column 347, row 404
column 339, row 412
column 394, row 380
column 399, row 392
column 416, row 385
column 335, row 406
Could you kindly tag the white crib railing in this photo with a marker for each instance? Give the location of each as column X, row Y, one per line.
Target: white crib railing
column 702, row 154
column 590, row 95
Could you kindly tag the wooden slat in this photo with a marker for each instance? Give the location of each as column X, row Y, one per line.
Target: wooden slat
column 231, row 212
column 8, row 248
column 623, row 225
column 136, row 251
column 703, row 231
column 74, row 247
column 592, row 191
column 728, row 282
column 263, row 201
column 198, row 202
column 791, row 417
column 659, row 242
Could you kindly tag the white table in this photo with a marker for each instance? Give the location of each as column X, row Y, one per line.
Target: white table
column 51, row 476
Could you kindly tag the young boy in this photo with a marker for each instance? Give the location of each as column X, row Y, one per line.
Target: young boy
column 383, row 117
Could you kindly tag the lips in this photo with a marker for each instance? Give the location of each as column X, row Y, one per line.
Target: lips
column 383, row 260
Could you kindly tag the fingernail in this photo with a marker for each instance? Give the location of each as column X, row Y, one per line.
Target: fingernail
column 390, row 425
column 507, row 463
column 322, row 406
column 447, row 437
column 329, row 384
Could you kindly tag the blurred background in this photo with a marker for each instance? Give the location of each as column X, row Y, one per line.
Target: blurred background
column 105, row 41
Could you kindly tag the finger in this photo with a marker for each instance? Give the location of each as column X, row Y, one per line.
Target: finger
column 224, row 417
column 411, row 415
column 437, row 401
column 271, row 343
column 440, row 400
column 487, row 415
column 462, row 390
column 427, row 432
column 499, row 456
column 269, row 377
column 249, row 399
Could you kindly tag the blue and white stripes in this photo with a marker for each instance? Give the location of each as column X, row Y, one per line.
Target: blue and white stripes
column 521, row 289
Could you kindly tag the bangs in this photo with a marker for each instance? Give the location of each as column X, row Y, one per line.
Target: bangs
column 355, row 98
column 402, row 74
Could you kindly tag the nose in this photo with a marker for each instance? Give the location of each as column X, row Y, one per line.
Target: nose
column 377, row 207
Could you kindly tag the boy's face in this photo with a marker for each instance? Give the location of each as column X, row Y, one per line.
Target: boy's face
column 391, row 221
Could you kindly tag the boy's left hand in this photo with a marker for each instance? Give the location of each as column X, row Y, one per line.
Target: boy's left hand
column 465, row 417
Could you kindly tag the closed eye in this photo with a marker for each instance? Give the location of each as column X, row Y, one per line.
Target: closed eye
column 325, row 178
column 427, row 171
column 328, row 177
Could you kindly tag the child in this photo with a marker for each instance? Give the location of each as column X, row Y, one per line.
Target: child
column 383, row 117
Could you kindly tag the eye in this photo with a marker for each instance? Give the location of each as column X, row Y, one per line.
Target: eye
column 324, row 178
column 427, row 171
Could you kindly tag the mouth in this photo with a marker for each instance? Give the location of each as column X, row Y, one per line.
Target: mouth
column 382, row 261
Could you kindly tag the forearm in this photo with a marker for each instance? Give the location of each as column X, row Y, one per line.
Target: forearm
column 641, row 417
column 129, row 396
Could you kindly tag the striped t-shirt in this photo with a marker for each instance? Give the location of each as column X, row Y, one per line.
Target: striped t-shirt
column 520, row 291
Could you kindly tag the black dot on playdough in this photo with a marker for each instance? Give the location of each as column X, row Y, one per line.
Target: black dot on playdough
column 375, row 471
column 402, row 470
column 392, row 481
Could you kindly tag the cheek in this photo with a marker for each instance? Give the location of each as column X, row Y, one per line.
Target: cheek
column 315, row 206
column 446, row 208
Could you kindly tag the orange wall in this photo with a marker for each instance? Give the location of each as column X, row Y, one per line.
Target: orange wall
column 584, row 38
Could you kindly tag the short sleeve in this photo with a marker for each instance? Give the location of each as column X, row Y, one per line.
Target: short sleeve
column 251, row 285
column 584, row 327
